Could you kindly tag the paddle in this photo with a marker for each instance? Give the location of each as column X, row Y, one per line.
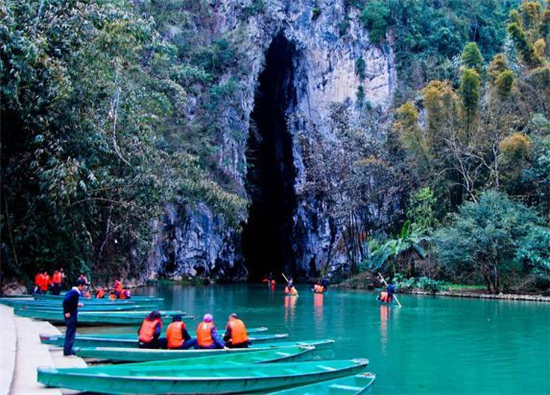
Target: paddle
column 397, row 300
column 286, row 279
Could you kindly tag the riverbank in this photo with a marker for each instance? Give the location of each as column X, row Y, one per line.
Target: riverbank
column 22, row 353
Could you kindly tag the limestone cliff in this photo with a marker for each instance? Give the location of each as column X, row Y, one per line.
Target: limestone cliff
column 327, row 45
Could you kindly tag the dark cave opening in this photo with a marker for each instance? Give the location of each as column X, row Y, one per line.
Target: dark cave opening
column 267, row 236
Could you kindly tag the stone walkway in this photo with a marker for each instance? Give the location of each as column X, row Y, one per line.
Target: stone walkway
column 22, row 352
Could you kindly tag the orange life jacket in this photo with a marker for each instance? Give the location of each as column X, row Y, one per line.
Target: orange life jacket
column 38, row 279
column 122, row 295
column 112, row 296
column 118, row 286
column 287, row 290
column 385, row 297
column 318, row 288
column 272, row 282
column 57, row 278
column 238, row 331
column 147, row 329
column 87, row 295
column 100, row 293
column 204, row 334
column 174, row 335
column 45, row 283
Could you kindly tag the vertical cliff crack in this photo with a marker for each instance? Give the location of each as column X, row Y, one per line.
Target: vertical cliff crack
column 267, row 236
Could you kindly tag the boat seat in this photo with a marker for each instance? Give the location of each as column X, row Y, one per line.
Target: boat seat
column 327, row 368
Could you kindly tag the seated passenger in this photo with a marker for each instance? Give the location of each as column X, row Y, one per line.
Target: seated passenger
column 149, row 332
column 207, row 335
column 177, row 336
column 235, row 333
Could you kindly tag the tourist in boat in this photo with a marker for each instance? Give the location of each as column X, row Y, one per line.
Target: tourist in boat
column 235, row 333
column 324, row 283
column 100, row 294
column 112, row 296
column 177, row 336
column 149, row 332
column 83, row 278
column 290, row 290
column 70, row 312
column 125, row 294
column 318, row 288
column 117, row 287
column 207, row 335
column 57, row 279
column 387, row 295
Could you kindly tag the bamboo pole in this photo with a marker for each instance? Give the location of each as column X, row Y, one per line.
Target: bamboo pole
column 397, row 300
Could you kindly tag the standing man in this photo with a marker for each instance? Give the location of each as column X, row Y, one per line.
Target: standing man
column 70, row 311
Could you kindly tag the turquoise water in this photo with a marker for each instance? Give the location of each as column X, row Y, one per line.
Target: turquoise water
column 432, row 345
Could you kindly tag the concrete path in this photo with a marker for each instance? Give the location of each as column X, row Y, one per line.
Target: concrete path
column 22, row 353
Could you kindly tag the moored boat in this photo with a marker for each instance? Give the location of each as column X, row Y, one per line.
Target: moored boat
column 351, row 385
column 143, row 355
column 238, row 378
column 131, row 340
column 99, row 318
column 133, row 298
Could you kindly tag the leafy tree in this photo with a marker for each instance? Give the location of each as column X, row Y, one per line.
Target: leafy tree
column 472, row 58
column 485, row 237
column 534, row 252
column 376, row 18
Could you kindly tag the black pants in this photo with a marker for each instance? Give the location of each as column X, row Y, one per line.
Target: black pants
column 56, row 289
column 70, row 334
column 240, row 345
column 155, row 343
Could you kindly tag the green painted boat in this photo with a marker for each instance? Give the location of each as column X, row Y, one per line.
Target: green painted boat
column 143, row 355
column 92, row 307
column 241, row 378
column 352, row 385
column 132, row 299
column 131, row 340
column 99, row 318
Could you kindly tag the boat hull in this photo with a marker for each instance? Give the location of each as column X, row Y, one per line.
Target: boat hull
column 200, row 380
column 143, row 355
column 358, row 384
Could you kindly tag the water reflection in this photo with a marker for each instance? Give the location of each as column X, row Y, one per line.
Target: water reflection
column 385, row 316
column 290, row 306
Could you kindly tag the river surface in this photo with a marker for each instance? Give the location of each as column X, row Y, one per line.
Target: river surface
column 432, row 345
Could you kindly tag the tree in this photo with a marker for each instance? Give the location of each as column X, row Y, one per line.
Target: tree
column 471, row 57
column 485, row 237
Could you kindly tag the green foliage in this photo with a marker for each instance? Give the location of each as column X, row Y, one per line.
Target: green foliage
column 472, row 58
column 534, row 251
column 484, row 237
column 420, row 210
column 360, row 68
column 523, row 46
column 376, row 19
column 422, row 283
column 90, row 97
column 470, row 82
column 504, row 83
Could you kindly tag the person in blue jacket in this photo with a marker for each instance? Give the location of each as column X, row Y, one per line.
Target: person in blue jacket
column 70, row 313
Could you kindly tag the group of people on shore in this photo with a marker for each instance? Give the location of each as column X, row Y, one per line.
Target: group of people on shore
column 178, row 338
column 43, row 282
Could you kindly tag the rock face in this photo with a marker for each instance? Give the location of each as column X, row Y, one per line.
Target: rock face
column 335, row 64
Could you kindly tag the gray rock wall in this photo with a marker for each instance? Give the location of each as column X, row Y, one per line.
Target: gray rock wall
column 196, row 242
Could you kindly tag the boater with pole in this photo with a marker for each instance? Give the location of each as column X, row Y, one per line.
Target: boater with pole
column 387, row 286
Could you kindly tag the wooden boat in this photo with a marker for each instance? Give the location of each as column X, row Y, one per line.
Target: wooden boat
column 239, row 378
column 44, row 337
column 350, row 385
column 134, row 299
column 392, row 303
column 86, row 307
column 130, row 341
column 99, row 318
column 143, row 355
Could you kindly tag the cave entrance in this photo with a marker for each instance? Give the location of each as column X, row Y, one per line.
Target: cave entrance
column 267, row 236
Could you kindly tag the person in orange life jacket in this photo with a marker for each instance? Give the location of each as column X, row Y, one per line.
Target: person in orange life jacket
column 112, row 296
column 149, row 332
column 83, row 278
column 45, row 282
column 177, row 336
column 70, row 312
column 37, row 282
column 100, row 293
column 207, row 335
column 125, row 294
column 235, row 333
column 387, row 296
column 117, row 287
column 56, row 282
